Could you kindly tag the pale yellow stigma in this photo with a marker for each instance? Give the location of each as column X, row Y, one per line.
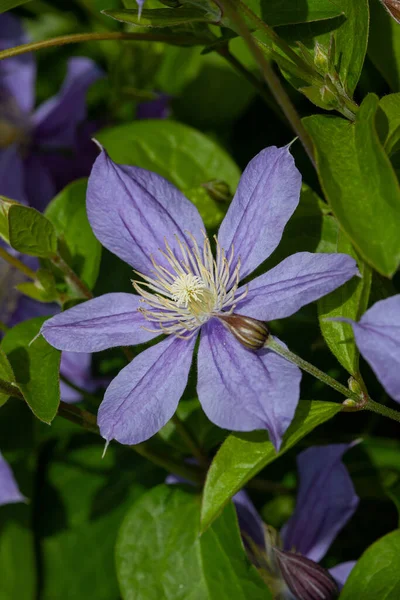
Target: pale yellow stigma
column 187, row 288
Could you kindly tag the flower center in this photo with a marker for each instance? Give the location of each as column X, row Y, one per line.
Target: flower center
column 188, row 286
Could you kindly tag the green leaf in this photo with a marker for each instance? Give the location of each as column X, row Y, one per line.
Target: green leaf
column 351, row 42
column 159, row 552
column 179, row 153
column 384, row 44
column 351, row 39
column 6, row 5
column 80, row 506
column 349, row 300
column 163, row 17
column 36, row 366
column 5, row 204
column 276, row 12
column 18, row 563
column 242, row 456
column 6, row 374
column 388, row 122
column 30, row 232
column 377, row 573
column 360, row 184
column 67, row 212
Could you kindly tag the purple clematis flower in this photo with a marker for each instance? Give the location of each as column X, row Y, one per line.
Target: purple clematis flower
column 147, row 222
column 325, row 503
column 377, row 336
column 30, row 141
column 9, row 491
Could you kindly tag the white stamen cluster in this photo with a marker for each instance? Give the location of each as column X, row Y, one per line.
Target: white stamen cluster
column 189, row 287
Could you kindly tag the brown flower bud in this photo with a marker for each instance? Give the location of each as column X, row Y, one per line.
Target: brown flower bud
column 393, row 8
column 248, row 331
column 306, row 579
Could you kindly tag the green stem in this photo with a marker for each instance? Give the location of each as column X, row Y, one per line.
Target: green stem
column 382, row 410
column 311, row 369
column 17, row 264
column 10, row 389
column 271, row 79
column 357, row 401
column 189, row 441
column 77, row 38
column 72, row 276
column 87, row 420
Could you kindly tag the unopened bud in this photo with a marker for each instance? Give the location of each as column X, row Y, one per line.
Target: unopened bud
column 321, row 59
column 354, row 386
column 218, row 190
column 248, row 331
column 306, row 579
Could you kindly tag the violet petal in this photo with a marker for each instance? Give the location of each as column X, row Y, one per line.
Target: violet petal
column 243, row 390
column 9, row 492
column 12, row 174
column 40, row 188
column 76, row 367
column 295, row 282
column 133, row 211
column 56, row 119
column 104, row 322
column 266, row 197
column 325, row 502
column 17, row 73
column 145, row 394
column 341, row 572
column 250, row 522
column 377, row 336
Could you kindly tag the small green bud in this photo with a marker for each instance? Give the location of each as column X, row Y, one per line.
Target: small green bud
column 218, row 190
column 354, row 386
column 321, row 58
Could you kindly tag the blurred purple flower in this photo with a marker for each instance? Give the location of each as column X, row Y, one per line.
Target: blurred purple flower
column 377, row 336
column 325, row 503
column 31, row 142
column 9, row 492
column 135, row 213
column 154, row 109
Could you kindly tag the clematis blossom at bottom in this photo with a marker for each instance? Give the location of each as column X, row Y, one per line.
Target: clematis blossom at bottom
column 9, row 491
column 325, row 503
column 183, row 289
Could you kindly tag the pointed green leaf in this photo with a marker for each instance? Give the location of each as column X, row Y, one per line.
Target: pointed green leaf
column 360, row 184
column 30, row 232
column 162, row 17
column 159, row 552
column 243, row 455
column 349, row 300
column 377, row 573
column 36, row 366
column 6, row 373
